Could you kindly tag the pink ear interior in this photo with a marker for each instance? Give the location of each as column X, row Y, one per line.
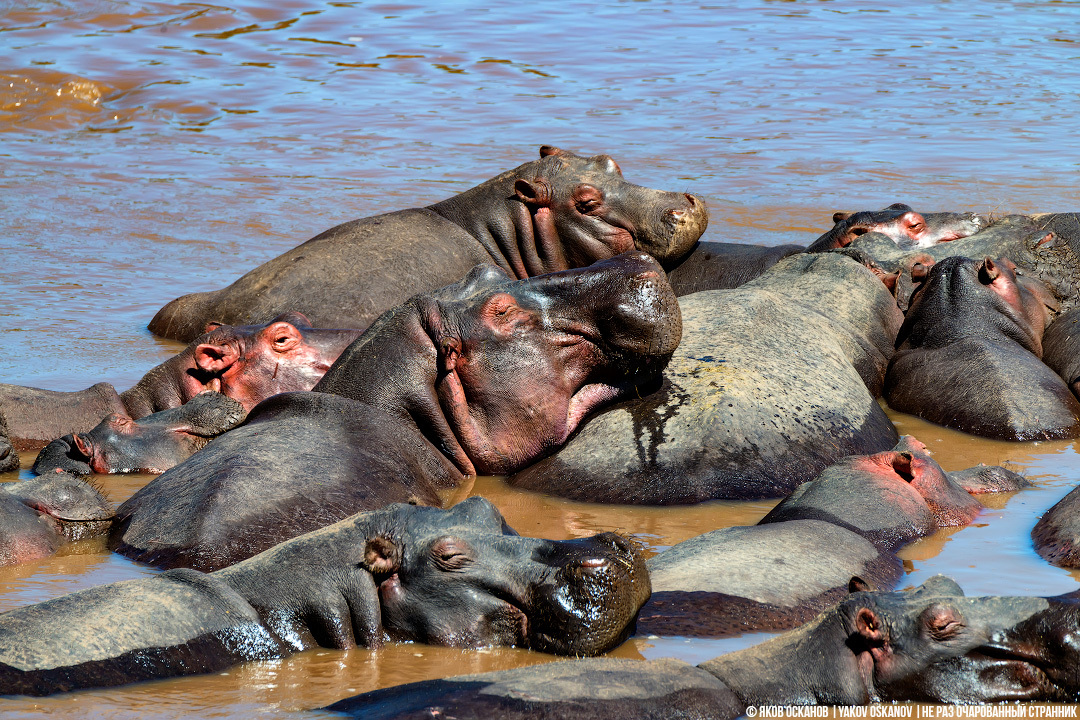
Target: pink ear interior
column 215, row 358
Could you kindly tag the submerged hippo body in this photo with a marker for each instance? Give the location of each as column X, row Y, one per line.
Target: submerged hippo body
column 481, row 377
column 246, row 363
column 561, row 211
column 37, row 516
column 890, row 498
column 931, row 644
column 771, row 383
column 456, row 577
column 1061, row 348
column 968, row 355
column 152, row 444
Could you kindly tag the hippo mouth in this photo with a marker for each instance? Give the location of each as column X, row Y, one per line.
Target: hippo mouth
column 1012, row 675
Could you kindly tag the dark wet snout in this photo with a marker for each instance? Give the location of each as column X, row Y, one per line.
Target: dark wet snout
column 591, row 598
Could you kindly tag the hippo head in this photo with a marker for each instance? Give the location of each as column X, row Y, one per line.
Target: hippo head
column 505, row 370
column 457, row 577
column 462, row 578
column 252, row 362
column 152, row 444
column 905, row 227
column 935, row 645
column 583, row 210
column 978, row 297
column 73, row 507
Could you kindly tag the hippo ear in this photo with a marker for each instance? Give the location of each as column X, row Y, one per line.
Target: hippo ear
column 869, row 626
column 535, row 193
column 546, row 150
column 83, row 445
column 212, row 326
column 840, row 215
column 382, row 555
column 857, row 584
column 215, row 358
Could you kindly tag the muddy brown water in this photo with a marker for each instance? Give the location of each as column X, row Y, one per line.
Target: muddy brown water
column 149, row 149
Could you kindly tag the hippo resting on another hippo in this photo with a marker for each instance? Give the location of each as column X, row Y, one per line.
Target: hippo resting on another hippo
column 457, row 577
column 968, row 355
column 906, row 228
column 559, row 212
column 37, row 516
column 152, row 444
column 1039, row 253
column 931, row 644
column 798, row 559
column 248, row 364
column 1061, row 348
column 480, row 377
column 772, row 382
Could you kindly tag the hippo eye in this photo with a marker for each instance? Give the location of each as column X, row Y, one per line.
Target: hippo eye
column 450, row 554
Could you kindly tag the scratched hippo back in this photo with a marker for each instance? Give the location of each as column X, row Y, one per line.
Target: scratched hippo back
column 149, row 150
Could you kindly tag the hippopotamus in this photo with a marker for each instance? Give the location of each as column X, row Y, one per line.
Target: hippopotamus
column 906, row 228
column 480, row 377
column 9, row 458
column 890, row 498
column 1061, row 348
column 968, row 355
column 930, row 644
column 1039, row 253
column 247, row 363
column 773, row 381
column 152, row 444
column 1057, row 533
column 37, row 516
column 457, row 577
column 559, row 212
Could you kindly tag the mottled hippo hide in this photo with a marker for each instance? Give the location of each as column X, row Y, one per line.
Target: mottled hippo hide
column 768, row 387
column 931, row 644
column 889, row 498
column 483, row 376
column 904, row 227
column 1039, row 253
column 1061, row 348
column 246, row 363
column 763, row 577
column 456, row 577
column 9, row 457
column 37, row 516
column 1057, row 534
column 559, row 212
column 587, row 689
column 968, row 355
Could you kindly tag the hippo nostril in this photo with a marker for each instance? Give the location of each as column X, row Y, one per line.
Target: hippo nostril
column 690, row 199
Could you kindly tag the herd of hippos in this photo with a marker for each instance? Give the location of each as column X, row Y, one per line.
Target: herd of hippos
column 568, row 330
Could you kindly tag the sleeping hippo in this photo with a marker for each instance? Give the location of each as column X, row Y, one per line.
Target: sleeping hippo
column 968, row 355
column 559, row 212
column 773, row 381
column 152, row 444
column 246, row 363
column 481, row 377
column 931, row 644
column 37, row 516
column 906, row 228
column 457, row 577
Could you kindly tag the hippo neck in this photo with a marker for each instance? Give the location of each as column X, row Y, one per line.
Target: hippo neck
column 794, row 668
column 159, row 389
column 521, row 242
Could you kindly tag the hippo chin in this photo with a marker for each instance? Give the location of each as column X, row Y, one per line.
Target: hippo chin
column 559, row 212
column 457, row 577
column 482, row 377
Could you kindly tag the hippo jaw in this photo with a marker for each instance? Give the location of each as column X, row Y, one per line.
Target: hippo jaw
column 521, row 365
